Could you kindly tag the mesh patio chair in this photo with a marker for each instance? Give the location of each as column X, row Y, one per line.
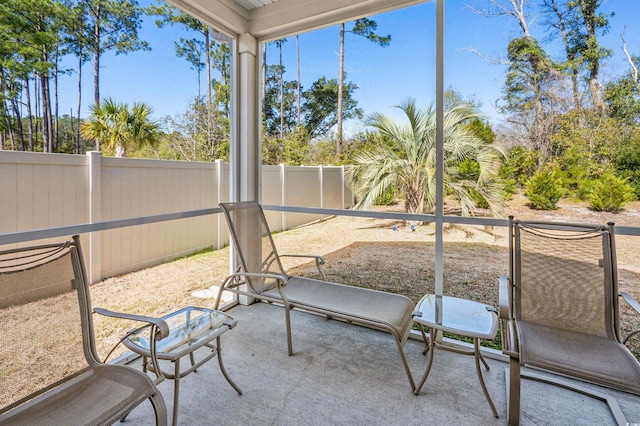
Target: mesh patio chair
column 265, row 278
column 559, row 311
column 50, row 371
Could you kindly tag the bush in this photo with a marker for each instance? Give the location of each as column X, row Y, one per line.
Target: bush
column 610, row 193
column 543, row 191
column 386, row 198
column 478, row 199
column 508, row 187
column 520, row 164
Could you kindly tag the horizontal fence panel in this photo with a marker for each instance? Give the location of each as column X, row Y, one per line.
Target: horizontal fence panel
column 272, row 194
column 42, row 191
column 302, row 188
column 332, row 187
column 48, row 191
column 136, row 188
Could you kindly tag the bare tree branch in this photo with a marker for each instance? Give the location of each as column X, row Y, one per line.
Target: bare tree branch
column 634, row 69
column 491, row 60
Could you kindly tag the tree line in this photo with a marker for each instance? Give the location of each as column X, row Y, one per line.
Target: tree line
column 568, row 127
column 36, row 36
column 573, row 132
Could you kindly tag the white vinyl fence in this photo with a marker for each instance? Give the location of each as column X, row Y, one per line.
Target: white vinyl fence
column 49, row 190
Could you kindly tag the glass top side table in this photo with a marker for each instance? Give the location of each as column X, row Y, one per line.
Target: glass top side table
column 189, row 329
column 460, row 316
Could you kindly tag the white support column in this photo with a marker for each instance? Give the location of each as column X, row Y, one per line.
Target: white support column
column 245, row 154
column 248, row 116
column 439, row 271
column 95, row 215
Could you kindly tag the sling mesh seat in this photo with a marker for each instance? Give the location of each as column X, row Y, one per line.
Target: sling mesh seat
column 50, row 373
column 265, row 278
column 559, row 311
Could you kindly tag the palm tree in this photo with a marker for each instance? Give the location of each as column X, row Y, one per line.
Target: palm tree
column 411, row 165
column 113, row 125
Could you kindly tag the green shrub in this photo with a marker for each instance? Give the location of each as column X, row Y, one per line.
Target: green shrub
column 478, row 199
column 610, row 193
column 585, row 187
column 520, row 164
column 386, row 198
column 543, row 190
column 469, row 169
column 508, row 188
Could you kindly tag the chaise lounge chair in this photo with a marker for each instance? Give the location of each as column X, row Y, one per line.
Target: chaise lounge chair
column 265, row 279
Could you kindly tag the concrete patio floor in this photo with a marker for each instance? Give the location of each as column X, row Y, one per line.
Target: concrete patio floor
column 342, row 374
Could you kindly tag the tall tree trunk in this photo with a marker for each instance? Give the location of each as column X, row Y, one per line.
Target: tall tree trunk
column 18, row 117
column 588, row 10
column 56, row 132
column 5, row 113
column 74, row 142
column 340, row 92
column 3, row 110
column 47, row 131
column 298, row 86
column 208, row 53
column 281, row 95
column 36, row 91
column 96, row 63
column 12, row 142
column 561, row 26
column 29, row 114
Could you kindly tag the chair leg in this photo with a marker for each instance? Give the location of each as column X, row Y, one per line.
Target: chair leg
column 478, row 356
column 512, row 379
column 611, row 402
column 224, row 371
column 176, row 391
column 404, row 363
column 431, row 348
column 287, row 314
column 159, row 408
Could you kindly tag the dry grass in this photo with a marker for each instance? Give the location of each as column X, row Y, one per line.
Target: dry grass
column 368, row 253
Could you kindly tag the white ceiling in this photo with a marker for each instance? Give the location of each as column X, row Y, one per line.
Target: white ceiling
column 272, row 19
column 254, row 4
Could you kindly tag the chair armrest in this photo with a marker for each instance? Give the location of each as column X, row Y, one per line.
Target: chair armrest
column 631, row 301
column 505, row 298
column 160, row 324
column 278, row 277
column 161, row 331
column 319, row 261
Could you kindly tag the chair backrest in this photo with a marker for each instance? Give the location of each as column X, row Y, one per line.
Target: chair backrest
column 252, row 238
column 46, row 331
column 564, row 276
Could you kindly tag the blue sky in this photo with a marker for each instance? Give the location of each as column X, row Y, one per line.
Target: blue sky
column 385, row 76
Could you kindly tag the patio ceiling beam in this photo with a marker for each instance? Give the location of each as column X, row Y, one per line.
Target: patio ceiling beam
column 284, row 17
column 289, row 17
column 225, row 16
